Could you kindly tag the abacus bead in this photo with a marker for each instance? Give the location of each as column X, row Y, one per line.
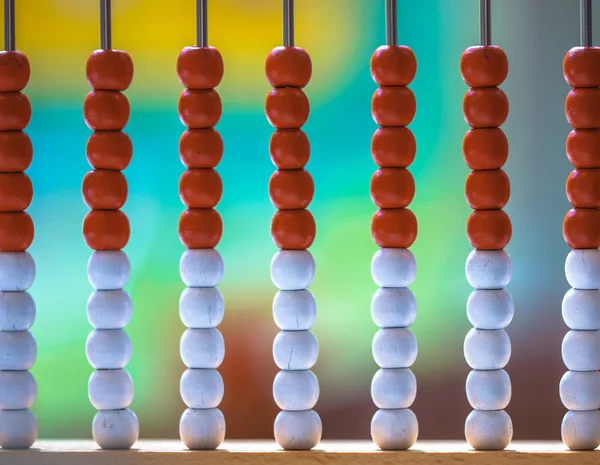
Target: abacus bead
column 295, row 350
column 17, row 311
column 296, row 390
column 581, row 309
column 579, row 430
column 200, row 67
column 109, row 309
column 486, row 107
column 108, row 349
column 200, row 109
column 294, row 310
column 287, row 108
column 583, row 148
column 201, row 148
column 17, row 271
column 289, row 149
column 106, row 110
column 581, row 228
column 202, row 348
column 581, row 67
column 115, row 429
column 293, row 229
column 15, row 111
column 110, row 389
column 18, row 390
column 200, row 188
column 201, row 388
column 485, row 149
column 201, row 307
column 582, row 269
column 108, row 270
column 394, row 429
column 488, row 430
column 16, row 231
column 200, row 228
column 288, row 67
column 109, row 70
column 16, row 151
column 298, row 430
column 14, row 71
column 106, row 229
column 16, row 192
column 489, row 229
column 488, row 269
column 580, row 390
column 394, row 388
column 392, row 188
column 484, row 66
column 487, row 349
column 202, row 429
column 394, row 307
column 393, row 147
column 581, row 108
column 393, row 65
column 394, row 348
column 490, row 309
column 201, row 268
column 109, row 150
column 18, row 429
column 487, row 190
column 393, row 106
column 18, row 350
column 104, row 189
column 581, row 350
column 394, row 228
column 393, row 267
column 292, row 270
column 583, row 188
column 291, row 189
column 488, row 390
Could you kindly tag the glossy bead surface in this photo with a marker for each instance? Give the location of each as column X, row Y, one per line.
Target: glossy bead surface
column 393, row 106
column 15, row 111
column 14, row 71
column 489, row 229
column 200, row 67
column 201, row 148
column 291, row 189
column 104, row 189
column 288, row 67
column 106, row 110
column 16, row 192
column 292, row 270
column 394, row 429
column 200, row 188
column 394, row 228
column 106, row 230
column 200, row 109
column 583, row 148
column 295, row 350
column 581, row 228
column 393, row 147
column 393, row 65
column 293, row 229
column 16, row 151
column 487, row 190
column 109, row 150
column 16, row 231
column 200, row 228
column 201, row 268
column 581, row 67
column 485, row 107
column 289, row 149
column 108, row 270
column 392, row 188
column 394, row 348
column 583, row 188
column 582, row 108
column 484, row 66
column 109, row 70
column 287, row 108
column 393, row 267
column 485, row 149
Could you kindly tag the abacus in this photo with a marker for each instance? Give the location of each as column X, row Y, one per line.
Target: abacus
column 298, row 428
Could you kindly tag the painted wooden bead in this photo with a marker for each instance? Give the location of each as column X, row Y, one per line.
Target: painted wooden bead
column 200, row 188
column 200, row 67
column 16, row 151
column 16, row 192
column 582, row 269
column 393, row 106
column 14, row 71
column 202, row 429
column 581, row 108
column 202, row 348
column 485, row 149
column 16, row 231
column 17, row 271
column 201, row 307
column 287, row 108
column 392, row 188
column 583, row 147
column 201, row 148
column 580, row 390
column 581, row 350
column 581, row 228
column 488, row 430
column 106, row 110
column 18, row 429
column 487, row 190
column 199, row 109
column 201, row 388
column 291, row 189
column 18, row 350
column 395, row 348
column 295, row 350
column 292, row 270
column 289, row 149
column 109, row 309
column 489, row 229
column 490, row 309
column 488, row 390
column 394, row 307
column 394, row 429
column 108, row 270
column 393, row 147
column 393, row 267
column 393, row 65
column 17, row 311
column 109, row 150
column 296, row 390
column 104, row 189
column 15, row 111
column 583, row 188
column 581, row 309
column 579, row 430
column 18, row 390
column 108, row 349
column 293, row 229
column 298, row 430
column 115, row 429
column 487, row 349
column 394, row 228
column 201, row 268
column 288, row 67
column 109, row 70
column 110, row 389
column 394, row 388
column 488, row 269
column 485, row 107
column 581, row 67
column 200, row 228
column 484, row 66
column 106, row 230
column 294, row 310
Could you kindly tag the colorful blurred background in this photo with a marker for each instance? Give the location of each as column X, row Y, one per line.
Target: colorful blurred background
column 340, row 35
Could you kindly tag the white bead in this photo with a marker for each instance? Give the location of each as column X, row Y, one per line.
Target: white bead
column 17, row 271
column 487, row 349
column 488, row 430
column 296, row 390
column 202, row 348
column 488, row 390
column 394, row 429
column 115, row 429
column 393, row 268
column 294, row 310
column 108, row 270
column 18, row 390
column 298, row 430
column 490, row 309
column 581, row 309
column 201, row 268
column 108, row 349
column 109, row 309
column 295, row 350
column 202, row 429
column 395, row 348
column 394, row 307
column 581, row 350
column 394, row 388
column 17, row 311
column 292, row 270
column 18, row 350
column 581, row 430
column 201, row 389
column 582, row 268
column 580, row 390
column 110, row 389
column 201, row 307
column 488, row 269
column 18, row 429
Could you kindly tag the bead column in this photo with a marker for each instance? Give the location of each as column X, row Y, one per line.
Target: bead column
column 201, row 307
column 490, row 308
column 394, row 229
column 106, row 231
column 18, row 350
column 291, row 189
column 580, row 386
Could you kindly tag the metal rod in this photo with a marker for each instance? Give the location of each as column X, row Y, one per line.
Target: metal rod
column 485, row 22
column 288, row 23
column 586, row 23
column 105, row 25
column 202, row 23
column 9, row 25
column 391, row 22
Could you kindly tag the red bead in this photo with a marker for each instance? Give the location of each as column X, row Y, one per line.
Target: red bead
column 109, row 70
column 293, row 229
column 200, row 228
column 394, row 228
column 291, row 189
column 583, row 188
column 16, row 232
column 581, row 67
column 287, row 108
column 393, row 147
column 109, row 150
column 484, row 66
column 14, row 71
column 485, row 107
column 15, row 111
column 583, row 108
column 16, row 192
column 201, row 148
column 392, row 188
column 199, row 109
column 200, row 188
column 288, row 67
column 106, row 110
column 581, row 228
column 485, row 149
column 16, row 151
column 393, row 65
column 393, row 106
column 487, row 190
column 583, row 148
column 104, row 189
column 106, row 230
column 290, row 149
column 489, row 229
column 200, row 67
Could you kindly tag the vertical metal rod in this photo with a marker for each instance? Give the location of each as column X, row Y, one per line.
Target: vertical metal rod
column 485, row 22
column 288, row 23
column 105, row 25
column 202, row 23
column 9, row 25
column 391, row 22
column 586, row 23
